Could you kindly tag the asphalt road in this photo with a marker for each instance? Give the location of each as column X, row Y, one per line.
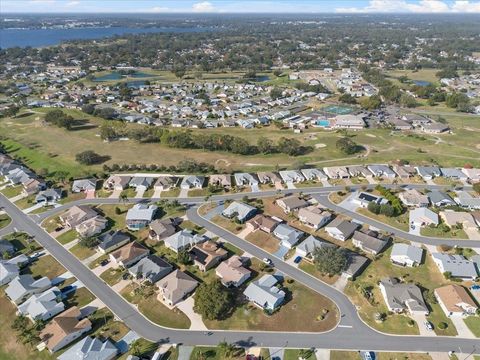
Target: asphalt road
column 350, row 334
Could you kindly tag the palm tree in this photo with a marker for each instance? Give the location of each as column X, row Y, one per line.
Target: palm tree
column 135, row 348
column 228, row 350
column 123, row 197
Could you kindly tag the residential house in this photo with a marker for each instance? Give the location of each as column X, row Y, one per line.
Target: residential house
column 262, row 222
column 112, row 240
column 413, row 197
column 472, row 174
column 404, row 171
column 383, row 171
column 232, row 272
column 92, row 226
column 465, row 200
column 245, row 179
column 117, row 182
column 8, row 272
column 423, row 217
column 370, row 242
column 207, row 255
column 314, row 174
column 141, row 183
column 337, row 172
column 428, row 172
column 456, row 265
column 175, row 287
column 439, row 198
column 406, row 255
column 64, row 329
column 355, row 265
column 401, row 297
column 223, row 180
column 43, row 306
column 269, row 178
column 84, row 185
column 161, row 229
column 435, row 128
column 349, row 121
column 24, row 286
column 314, row 217
column 363, row 199
column 192, row 182
column 264, row 293
column 455, row 300
column 150, row 268
column 291, row 176
column 308, row 246
column 183, row 240
column 287, row 235
column 341, row 229
column 128, row 254
column 454, row 218
column 239, row 211
column 76, row 215
column 90, row 348
column 165, row 183
column 454, row 174
column 359, row 171
column 291, row 203
column 48, row 196
column 140, row 215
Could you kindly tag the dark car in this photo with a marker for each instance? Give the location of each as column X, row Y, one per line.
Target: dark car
column 125, row 276
column 104, row 262
column 297, row 259
column 68, row 288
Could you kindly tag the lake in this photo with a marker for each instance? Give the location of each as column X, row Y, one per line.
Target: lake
column 47, row 37
column 421, row 82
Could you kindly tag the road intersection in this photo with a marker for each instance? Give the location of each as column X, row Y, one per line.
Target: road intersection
column 351, row 332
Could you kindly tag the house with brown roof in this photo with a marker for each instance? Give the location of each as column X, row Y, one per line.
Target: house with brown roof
column 224, row 180
column 232, row 272
column 291, row 203
column 175, row 287
column 77, row 215
column 129, row 254
column 161, row 229
column 92, row 226
column 165, row 183
column 371, row 242
column 455, row 300
column 269, row 178
column 413, row 197
column 314, row 217
column 117, row 182
column 262, row 222
column 64, row 329
column 207, row 255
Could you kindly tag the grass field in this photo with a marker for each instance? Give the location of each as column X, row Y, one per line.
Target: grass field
column 473, row 323
column 4, row 220
column 67, row 237
column 28, row 138
column 46, row 266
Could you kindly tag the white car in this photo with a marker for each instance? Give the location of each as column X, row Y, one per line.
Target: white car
column 267, row 261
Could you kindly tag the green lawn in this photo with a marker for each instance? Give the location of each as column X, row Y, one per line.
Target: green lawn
column 214, row 353
column 26, row 202
column 155, row 311
column 22, row 242
column 294, row 354
column 112, row 276
column 473, row 323
column 80, row 298
column 105, row 326
column 4, row 220
column 146, row 348
column 11, row 191
column 436, row 317
column 82, row 252
column 67, row 237
column 399, row 222
column 46, row 266
column 174, row 192
column 228, row 224
column 437, row 232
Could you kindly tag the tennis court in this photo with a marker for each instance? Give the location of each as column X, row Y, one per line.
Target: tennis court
column 337, row 109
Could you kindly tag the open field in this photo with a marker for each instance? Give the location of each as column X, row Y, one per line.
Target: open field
column 28, row 138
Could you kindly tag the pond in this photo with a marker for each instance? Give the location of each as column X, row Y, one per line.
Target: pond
column 421, row 82
column 115, row 75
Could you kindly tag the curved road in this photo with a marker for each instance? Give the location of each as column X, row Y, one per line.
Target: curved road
column 350, row 334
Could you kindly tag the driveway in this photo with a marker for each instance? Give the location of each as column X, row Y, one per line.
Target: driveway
column 100, row 269
column 33, row 208
column 115, row 194
column 186, row 306
column 473, row 234
column 349, row 204
column 276, row 353
column 462, row 328
column 157, row 193
column 322, row 354
column 255, row 188
column 184, row 352
column 140, row 192
column 291, row 185
column 183, row 193
column 420, row 320
column 244, row 233
column 341, row 283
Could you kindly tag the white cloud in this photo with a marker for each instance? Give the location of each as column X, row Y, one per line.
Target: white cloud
column 72, row 3
column 406, row 6
column 42, row 2
column 159, row 9
column 204, row 6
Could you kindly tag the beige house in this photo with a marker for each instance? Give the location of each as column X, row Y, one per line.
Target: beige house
column 455, row 300
column 232, row 272
column 314, row 217
column 223, row 180
column 64, row 329
column 165, row 183
column 116, row 182
column 77, row 215
column 92, row 226
column 452, row 218
column 269, row 178
column 262, row 222
column 291, row 203
column 413, row 197
column 129, row 254
column 174, row 287
column 207, row 255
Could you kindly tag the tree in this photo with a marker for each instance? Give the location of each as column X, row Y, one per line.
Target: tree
column 265, row 145
column 373, row 207
column 476, row 187
column 183, row 257
column 347, row 99
column 106, row 113
column 408, row 101
column 88, row 109
column 371, row 103
column 347, row 146
column 213, row 300
column 276, row 93
column 136, row 348
column 88, row 157
column 227, row 349
column 330, row 260
column 11, row 111
column 59, row 118
column 88, row 241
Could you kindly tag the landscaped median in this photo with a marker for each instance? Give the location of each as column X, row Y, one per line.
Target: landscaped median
column 4, row 220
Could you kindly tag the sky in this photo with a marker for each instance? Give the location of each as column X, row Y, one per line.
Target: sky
column 240, row 6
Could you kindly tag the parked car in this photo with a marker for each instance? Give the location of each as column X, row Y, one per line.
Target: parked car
column 368, row 355
column 68, row 288
column 104, row 262
column 125, row 276
column 475, row 287
column 267, row 261
column 428, row 325
column 297, row 259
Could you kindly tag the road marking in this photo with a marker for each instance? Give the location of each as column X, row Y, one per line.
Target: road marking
column 345, row 326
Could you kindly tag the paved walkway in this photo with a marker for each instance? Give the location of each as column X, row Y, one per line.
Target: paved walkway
column 183, row 193
column 33, row 208
column 71, row 244
column 18, row 197
column 92, row 258
column 184, row 352
column 322, row 354
column 186, row 306
column 157, row 193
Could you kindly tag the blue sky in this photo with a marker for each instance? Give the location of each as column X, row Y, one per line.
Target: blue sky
column 241, row 6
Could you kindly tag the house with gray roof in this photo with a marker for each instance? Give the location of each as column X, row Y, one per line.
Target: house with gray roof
column 465, row 200
column 112, row 240
column 8, row 272
column 161, row 229
column 382, row 171
column 291, row 176
column 355, row 265
column 264, row 293
column 364, row 198
column 245, row 179
column 308, row 246
column 151, row 268
column 423, row 217
column 240, row 211
column 406, row 255
column 24, row 286
column 428, row 172
column 359, row 171
column 165, row 183
column 183, row 240
column 44, row 305
column 48, row 196
column 341, row 229
column 117, row 182
column 192, row 182
column 401, row 297
column 370, row 242
column 439, row 198
column 90, row 348
column 269, row 178
column 457, row 265
column 291, row 203
column 141, row 182
column 314, row 174
column 454, row 174
column 140, row 215
column 287, row 235
column 84, row 185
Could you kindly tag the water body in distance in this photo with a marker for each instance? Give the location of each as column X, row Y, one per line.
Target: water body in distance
column 47, row 37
